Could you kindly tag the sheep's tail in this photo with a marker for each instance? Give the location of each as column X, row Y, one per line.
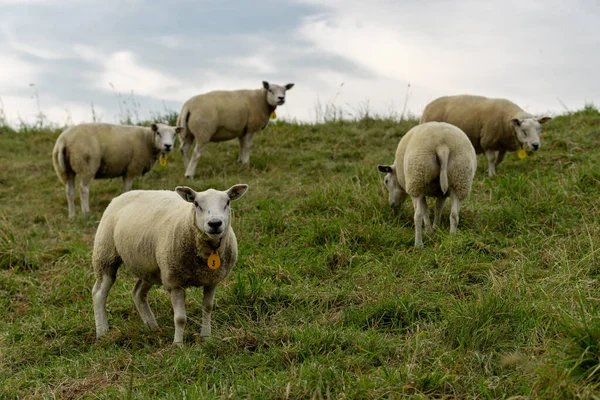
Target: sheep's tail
column 442, row 154
column 58, row 159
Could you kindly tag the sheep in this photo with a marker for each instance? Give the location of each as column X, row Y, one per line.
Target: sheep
column 433, row 159
column 108, row 151
column 224, row 115
column 178, row 238
column 494, row 126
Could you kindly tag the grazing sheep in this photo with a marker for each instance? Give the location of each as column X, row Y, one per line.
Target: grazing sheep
column 166, row 240
column 494, row 126
column 108, row 151
column 224, row 115
column 434, row 159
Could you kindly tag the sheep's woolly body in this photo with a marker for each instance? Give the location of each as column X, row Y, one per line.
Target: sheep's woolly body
column 165, row 238
column 494, row 126
column 153, row 233
column 419, row 153
column 104, row 151
column 224, row 115
column 101, row 151
column 434, row 159
column 487, row 122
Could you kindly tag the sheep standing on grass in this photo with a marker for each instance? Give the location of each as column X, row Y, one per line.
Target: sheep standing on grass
column 494, row 126
column 178, row 239
column 107, row 151
column 224, row 115
column 433, row 159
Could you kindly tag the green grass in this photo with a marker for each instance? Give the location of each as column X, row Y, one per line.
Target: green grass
column 329, row 299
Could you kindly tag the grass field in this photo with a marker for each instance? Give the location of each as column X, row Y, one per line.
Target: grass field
column 329, row 299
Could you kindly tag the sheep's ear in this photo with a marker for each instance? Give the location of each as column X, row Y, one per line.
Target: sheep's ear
column 266, row 84
column 516, row 122
column 154, row 127
column 237, row 191
column 179, row 129
column 186, row 193
column 544, row 120
column 289, row 86
column 386, row 169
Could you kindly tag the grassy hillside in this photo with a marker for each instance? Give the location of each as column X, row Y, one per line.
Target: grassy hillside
column 329, row 299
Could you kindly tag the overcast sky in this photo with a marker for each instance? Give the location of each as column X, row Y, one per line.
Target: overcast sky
column 61, row 57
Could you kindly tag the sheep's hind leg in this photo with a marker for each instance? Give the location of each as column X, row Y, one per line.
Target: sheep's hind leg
column 140, row 298
column 70, row 189
column 207, row 307
column 492, row 156
column 84, row 193
column 127, row 183
column 454, row 212
column 184, row 148
column 437, row 216
column 191, row 167
column 178, row 301
column 99, row 295
column 420, row 205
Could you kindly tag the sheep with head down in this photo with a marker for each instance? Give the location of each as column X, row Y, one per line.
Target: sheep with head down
column 102, row 151
column 177, row 239
column 494, row 126
column 227, row 114
column 434, row 159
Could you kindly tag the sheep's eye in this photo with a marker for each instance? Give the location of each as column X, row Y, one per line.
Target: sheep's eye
column 227, row 205
column 158, row 133
column 196, row 204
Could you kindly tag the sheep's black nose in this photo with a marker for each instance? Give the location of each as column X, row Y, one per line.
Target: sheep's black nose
column 215, row 224
column 535, row 146
column 168, row 147
column 281, row 98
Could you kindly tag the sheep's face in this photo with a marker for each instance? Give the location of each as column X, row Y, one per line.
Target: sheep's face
column 164, row 136
column 276, row 93
column 396, row 194
column 212, row 208
column 528, row 132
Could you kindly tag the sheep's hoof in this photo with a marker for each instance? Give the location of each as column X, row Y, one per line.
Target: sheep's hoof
column 178, row 344
column 418, row 246
column 189, row 176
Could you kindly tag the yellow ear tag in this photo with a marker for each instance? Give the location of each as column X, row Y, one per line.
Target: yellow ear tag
column 163, row 160
column 273, row 115
column 214, row 261
column 522, row 153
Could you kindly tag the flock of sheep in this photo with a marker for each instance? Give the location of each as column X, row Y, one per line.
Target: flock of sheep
column 190, row 241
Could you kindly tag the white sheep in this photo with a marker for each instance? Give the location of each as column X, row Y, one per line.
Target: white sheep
column 227, row 114
column 434, row 159
column 108, row 151
column 494, row 126
column 178, row 238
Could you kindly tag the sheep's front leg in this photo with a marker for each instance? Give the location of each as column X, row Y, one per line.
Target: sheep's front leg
column 454, row 212
column 140, row 298
column 207, row 307
column 491, row 157
column 437, row 216
column 70, row 188
column 99, row 295
column 245, row 145
column 420, row 205
column 178, row 301
column 191, row 166
column 500, row 157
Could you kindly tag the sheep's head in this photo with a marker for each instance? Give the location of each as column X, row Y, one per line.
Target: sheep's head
column 528, row 131
column 164, row 136
column 276, row 93
column 211, row 207
column 397, row 195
